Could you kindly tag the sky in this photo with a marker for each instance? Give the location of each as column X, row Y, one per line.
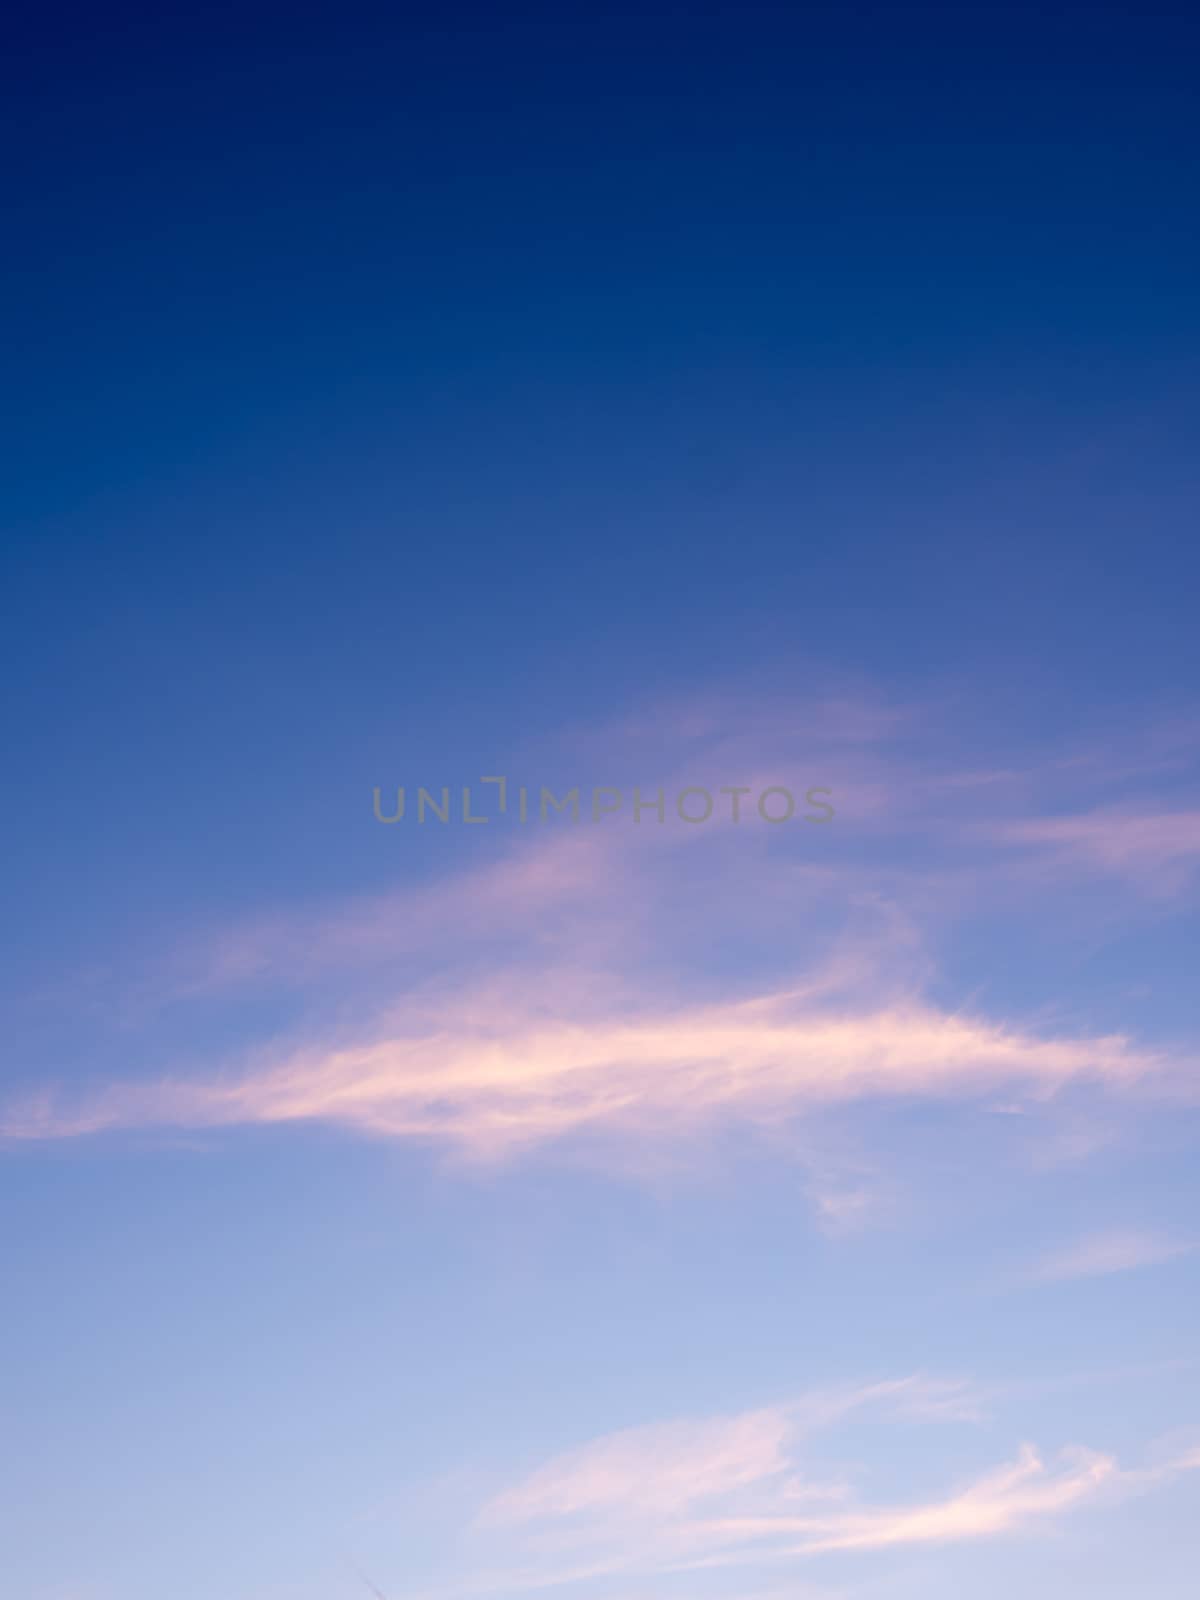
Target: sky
column 740, row 462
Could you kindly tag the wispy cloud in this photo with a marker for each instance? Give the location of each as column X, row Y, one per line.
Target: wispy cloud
column 669, row 1468
column 584, row 984
column 903, row 782
column 492, row 1076
column 1159, row 850
column 1118, row 1250
column 654, row 1471
column 735, row 1492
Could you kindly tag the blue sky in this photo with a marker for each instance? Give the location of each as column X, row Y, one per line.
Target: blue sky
column 740, row 397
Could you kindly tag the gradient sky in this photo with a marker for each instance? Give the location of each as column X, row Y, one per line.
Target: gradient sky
column 602, row 396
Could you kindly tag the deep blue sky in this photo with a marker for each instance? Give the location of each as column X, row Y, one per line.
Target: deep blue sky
column 354, row 353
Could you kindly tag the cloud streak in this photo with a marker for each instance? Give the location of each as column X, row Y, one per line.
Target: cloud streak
column 734, row 1492
column 585, row 985
column 1157, row 850
column 1118, row 1250
column 491, row 1077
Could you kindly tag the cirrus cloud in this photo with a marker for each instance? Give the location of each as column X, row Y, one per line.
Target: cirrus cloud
column 492, row 1078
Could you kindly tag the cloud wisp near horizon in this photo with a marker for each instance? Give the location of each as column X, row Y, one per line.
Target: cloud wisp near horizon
column 720, row 1497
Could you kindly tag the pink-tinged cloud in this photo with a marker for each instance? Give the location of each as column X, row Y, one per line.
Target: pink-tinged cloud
column 493, row 1082
column 919, row 822
column 1118, row 1250
column 671, row 1468
column 656, row 1470
column 1002, row 1501
column 740, row 1491
column 525, row 890
column 1158, row 849
column 574, row 987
